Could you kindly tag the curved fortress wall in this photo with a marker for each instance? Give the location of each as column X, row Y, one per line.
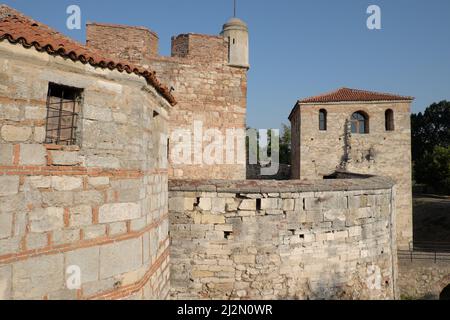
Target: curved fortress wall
column 100, row 205
column 283, row 240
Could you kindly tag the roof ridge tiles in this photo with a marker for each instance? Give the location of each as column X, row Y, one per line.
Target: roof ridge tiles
column 345, row 94
column 18, row 28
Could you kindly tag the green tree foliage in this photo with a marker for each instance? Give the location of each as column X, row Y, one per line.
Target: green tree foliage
column 284, row 142
column 431, row 146
column 434, row 169
column 285, row 145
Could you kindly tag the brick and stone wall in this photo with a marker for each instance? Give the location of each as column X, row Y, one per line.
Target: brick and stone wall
column 386, row 153
column 100, row 205
column 207, row 89
column 423, row 279
column 330, row 239
column 134, row 44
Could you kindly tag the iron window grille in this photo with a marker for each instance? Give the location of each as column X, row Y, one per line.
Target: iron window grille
column 63, row 109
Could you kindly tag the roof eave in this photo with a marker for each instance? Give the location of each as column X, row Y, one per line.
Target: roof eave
column 355, row 102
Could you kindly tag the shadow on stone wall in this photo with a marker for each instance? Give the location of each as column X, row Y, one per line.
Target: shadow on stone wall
column 254, row 173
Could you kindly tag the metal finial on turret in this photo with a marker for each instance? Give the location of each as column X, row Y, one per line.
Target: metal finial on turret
column 234, row 12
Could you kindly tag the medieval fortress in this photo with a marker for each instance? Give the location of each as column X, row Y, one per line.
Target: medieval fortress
column 91, row 208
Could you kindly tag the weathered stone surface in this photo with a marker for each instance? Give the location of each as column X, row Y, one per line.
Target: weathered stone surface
column 20, row 223
column 65, row 158
column 9, row 185
column 9, row 245
column 80, row 216
column 58, row 199
column 423, row 279
column 103, row 162
column 6, row 154
column 205, row 204
column 270, row 203
column 43, row 220
column 66, row 183
column 120, row 257
column 6, row 223
column 35, row 277
column 39, row 182
column 5, row 282
column 248, row 205
column 98, row 181
column 92, row 197
column 32, row 154
column 39, row 134
column 212, row 219
column 95, row 113
column 15, row 134
column 301, row 235
column 119, row 212
column 66, row 236
column 94, row 232
column 117, row 228
column 88, row 260
column 36, row 241
column 35, row 113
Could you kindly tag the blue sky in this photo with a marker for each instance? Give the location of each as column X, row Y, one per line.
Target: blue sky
column 297, row 48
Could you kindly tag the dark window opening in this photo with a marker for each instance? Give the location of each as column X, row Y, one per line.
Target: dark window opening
column 227, row 234
column 360, row 123
column 445, row 294
column 155, row 114
column 389, row 119
column 63, row 109
column 258, row 204
column 168, row 149
column 229, row 49
column 323, row 120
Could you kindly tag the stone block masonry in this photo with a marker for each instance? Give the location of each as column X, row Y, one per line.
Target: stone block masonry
column 100, row 205
column 386, row 153
column 283, row 240
column 207, row 88
column 424, row 278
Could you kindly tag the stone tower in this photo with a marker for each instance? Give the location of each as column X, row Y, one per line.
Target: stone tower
column 235, row 31
column 208, row 76
column 362, row 132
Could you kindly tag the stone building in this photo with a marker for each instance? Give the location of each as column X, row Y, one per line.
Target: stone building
column 208, row 75
column 85, row 132
column 83, row 169
column 361, row 132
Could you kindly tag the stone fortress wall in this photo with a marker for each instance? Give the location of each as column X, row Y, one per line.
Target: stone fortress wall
column 331, row 239
column 423, row 279
column 384, row 153
column 207, row 87
column 100, row 205
column 103, row 205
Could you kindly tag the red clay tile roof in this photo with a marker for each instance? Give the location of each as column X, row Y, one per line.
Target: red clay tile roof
column 18, row 28
column 354, row 95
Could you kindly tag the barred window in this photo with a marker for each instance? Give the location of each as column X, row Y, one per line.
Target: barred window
column 63, row 108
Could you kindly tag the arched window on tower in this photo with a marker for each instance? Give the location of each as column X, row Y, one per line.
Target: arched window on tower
column 323, row 120
column 360, row 123
column 389, row 119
